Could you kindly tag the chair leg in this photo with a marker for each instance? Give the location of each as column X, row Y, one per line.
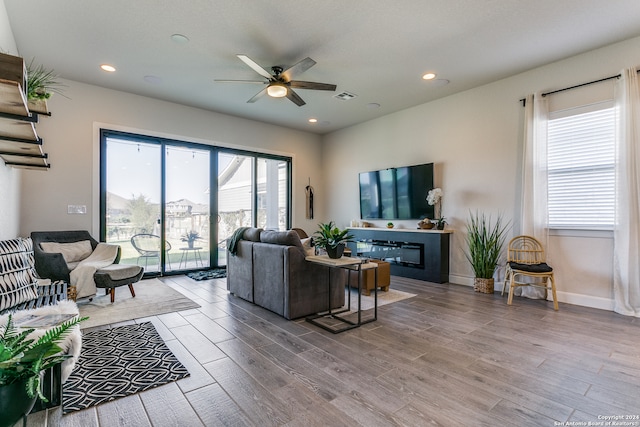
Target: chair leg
column 506, row 280
column 510, row 299
column 553, row 292
column 133, row 294
column 113, row 294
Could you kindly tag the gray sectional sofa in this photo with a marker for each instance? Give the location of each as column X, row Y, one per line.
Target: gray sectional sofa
column 269, row 270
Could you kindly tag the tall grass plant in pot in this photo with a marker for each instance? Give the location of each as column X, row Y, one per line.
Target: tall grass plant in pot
column 484, row 248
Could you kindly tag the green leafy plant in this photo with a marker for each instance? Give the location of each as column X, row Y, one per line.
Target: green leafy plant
column 330, row 236
column 41, row 82
column 190, row 236
column 484, row 244
column 23, row 358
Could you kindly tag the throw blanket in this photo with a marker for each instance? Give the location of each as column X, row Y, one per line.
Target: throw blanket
column 82, row 276
column 235, row 238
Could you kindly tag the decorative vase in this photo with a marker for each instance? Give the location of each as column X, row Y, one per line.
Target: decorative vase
column 440, row 226
column 190, row 244
column 335, row 252
column 14, row 403
column 483, row 285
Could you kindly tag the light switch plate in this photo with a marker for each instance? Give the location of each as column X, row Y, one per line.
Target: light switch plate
column 77, row 209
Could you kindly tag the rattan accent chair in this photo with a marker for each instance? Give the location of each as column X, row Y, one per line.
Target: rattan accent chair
column 526, row 258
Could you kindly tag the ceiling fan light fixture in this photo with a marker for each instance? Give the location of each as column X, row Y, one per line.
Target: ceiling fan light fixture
column 277, row 90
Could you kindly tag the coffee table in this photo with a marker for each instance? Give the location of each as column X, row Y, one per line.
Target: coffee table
column 351, row 264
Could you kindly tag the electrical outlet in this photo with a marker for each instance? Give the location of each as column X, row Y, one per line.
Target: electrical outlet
column 77, row 209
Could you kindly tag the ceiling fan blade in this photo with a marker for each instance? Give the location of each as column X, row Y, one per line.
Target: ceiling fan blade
column 312, row 85
column 298, row 68
column 240, row 81
column 293, row 97
column 257, row 96
column 257, row 68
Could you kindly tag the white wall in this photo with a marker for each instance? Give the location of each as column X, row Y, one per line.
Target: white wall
column 71, row 137
column 9, row 177
column 475, row 140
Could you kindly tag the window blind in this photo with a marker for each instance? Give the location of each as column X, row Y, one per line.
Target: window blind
column 581, row 168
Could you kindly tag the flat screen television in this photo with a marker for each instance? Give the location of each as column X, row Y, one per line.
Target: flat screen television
column 396, row 193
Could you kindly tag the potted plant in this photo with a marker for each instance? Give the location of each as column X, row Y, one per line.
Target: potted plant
column 389, row 225
column 484, row 244
column 332, row 239
column 190, row 237
column 22, row 359
column 434, row 198
column 41, row 84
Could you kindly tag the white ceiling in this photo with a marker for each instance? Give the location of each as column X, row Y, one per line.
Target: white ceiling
column 375, row 49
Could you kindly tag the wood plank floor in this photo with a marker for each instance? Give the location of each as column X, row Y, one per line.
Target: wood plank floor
column 448, row 356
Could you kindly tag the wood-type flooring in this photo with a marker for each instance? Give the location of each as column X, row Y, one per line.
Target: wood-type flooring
column 447, row 357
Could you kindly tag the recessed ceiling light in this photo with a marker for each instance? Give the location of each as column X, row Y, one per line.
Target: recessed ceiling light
column 313, row 120
column 429, row 76
column 180, row 38
column 108, row 68
column 373, row 105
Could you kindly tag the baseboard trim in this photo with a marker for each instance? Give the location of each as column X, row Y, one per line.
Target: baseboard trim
column 564, row 297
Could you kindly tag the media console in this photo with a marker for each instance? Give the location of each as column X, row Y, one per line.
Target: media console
column 418, row 254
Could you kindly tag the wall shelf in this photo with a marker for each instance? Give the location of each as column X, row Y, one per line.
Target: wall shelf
column 20, row 145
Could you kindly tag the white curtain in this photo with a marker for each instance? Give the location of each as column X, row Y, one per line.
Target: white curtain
column 626, row 278
column 534, row 220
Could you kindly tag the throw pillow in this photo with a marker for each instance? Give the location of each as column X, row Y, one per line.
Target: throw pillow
column 16, row 275
column 71, row 252
column 307, row 245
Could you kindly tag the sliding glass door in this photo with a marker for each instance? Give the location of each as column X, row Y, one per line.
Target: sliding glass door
column 172, row 205
column 235, row 197
column 186, row 208
column 132, row 200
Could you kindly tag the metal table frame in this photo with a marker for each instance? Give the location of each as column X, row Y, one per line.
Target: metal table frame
column 351, row 264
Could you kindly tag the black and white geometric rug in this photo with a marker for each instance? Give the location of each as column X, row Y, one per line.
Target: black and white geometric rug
column 215, row 273
column 119, row 362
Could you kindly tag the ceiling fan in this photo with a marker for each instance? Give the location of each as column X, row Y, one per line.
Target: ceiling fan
column 279, row 83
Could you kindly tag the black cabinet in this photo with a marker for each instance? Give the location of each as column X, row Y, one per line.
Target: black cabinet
column 419, row 254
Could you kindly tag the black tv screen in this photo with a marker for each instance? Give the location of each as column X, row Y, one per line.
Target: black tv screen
column 396, row 193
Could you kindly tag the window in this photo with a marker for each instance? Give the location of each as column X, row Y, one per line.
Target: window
column 581, row 168
column 160, row 189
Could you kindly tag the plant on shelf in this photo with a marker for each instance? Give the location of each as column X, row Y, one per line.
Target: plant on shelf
column 332, row 239
column 22, row 359
column 389, row 225
column 434, row 198
column 41, row 82
column 190, row 237
column 484, row 244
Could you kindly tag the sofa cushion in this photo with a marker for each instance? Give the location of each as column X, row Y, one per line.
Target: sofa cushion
column 252, row 234
column 284, row 238
column 71, row 252
column 17, row 276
